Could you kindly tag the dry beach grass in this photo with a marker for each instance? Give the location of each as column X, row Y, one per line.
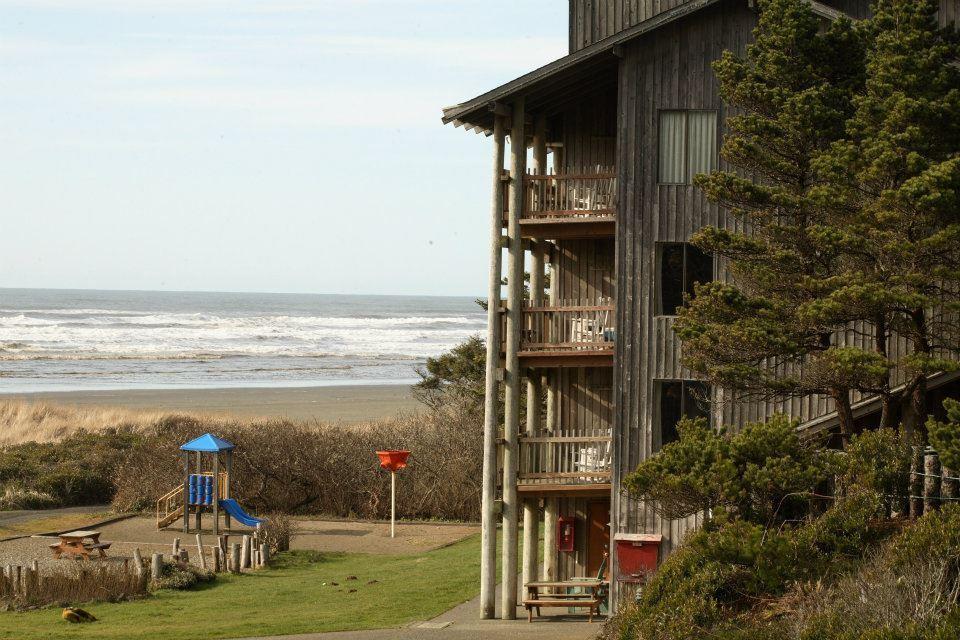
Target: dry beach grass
column 22, row 421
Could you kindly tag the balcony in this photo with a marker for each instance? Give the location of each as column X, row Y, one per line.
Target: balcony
column 568, row 205
column 580, row 335
column 551, row 465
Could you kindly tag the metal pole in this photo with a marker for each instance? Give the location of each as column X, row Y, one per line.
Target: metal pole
column 393, row 501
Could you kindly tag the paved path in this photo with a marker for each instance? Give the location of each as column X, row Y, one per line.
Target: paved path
column 463, row 623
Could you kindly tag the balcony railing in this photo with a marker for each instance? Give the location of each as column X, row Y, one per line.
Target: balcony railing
column 569, row 328
column 576, row 195
column 564, row 460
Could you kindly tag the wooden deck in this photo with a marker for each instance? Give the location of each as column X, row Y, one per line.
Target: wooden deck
column 565, row 465
column 569, row 335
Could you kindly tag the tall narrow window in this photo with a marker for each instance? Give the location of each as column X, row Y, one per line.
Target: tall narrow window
column 682, row 266
column 688, row 145
column 680, row 399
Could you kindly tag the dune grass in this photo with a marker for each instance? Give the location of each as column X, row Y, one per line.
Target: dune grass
column 298, row 595
column 22, row 421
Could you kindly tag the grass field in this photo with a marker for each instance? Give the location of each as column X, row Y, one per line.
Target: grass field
column 296, row 596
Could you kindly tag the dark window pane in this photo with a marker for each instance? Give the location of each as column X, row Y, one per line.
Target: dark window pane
column 671, row 410
column 699, row 268
column 671, row 278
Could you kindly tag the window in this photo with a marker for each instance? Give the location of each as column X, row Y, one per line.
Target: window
column 679, row 399
column 688, row 145
column 682, row 265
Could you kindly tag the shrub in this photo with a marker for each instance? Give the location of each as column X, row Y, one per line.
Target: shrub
column 879, row 462
column 764, row 473
column 19, row 498
column 276, row 532
column 75, row 471
column 73, row 583
column 181, row 576
column 297, row 468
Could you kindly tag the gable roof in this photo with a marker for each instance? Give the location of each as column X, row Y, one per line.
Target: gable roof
column 207, row 443
column 586, row 69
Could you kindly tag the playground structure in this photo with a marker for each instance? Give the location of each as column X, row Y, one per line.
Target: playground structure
column 203, row 487
column 393, row 460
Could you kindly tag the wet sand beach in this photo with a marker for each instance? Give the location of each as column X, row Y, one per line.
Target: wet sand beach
column 346, row 404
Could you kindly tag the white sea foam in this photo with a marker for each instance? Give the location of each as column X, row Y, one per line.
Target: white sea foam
column 57, row 334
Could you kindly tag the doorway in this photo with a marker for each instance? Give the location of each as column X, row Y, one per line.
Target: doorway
column 598, row 536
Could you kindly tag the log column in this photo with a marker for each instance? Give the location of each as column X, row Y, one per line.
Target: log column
column 531, row 508
column 491, row 406
column 518, row 162
column 551, row 507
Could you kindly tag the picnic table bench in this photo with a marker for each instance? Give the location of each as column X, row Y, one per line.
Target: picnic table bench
column 590, row 596
column 79, row 544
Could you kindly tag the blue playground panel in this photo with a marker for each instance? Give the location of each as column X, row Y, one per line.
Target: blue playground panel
column 201, row 489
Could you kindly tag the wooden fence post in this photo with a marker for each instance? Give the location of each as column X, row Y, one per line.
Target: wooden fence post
column 138, row 563
column 264, row 554
column 916, row 483
column 931, row 482
column 235, row 557
column 245, row 552
column 203, row 560
column 156, row 566
column 175, row 552
column 948, row 485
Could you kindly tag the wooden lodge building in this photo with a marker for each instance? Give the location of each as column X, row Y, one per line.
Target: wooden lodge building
column 614, row 132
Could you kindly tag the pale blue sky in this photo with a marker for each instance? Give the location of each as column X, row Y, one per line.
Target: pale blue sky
column 253, row 146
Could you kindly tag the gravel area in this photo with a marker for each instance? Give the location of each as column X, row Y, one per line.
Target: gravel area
column 318, row 535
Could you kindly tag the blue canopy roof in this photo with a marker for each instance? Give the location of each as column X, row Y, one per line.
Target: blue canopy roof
column 207, row 443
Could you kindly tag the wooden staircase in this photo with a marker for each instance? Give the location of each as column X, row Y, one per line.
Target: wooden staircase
column 170, row 507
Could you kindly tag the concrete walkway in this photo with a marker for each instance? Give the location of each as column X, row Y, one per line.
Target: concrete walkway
column 463, row 623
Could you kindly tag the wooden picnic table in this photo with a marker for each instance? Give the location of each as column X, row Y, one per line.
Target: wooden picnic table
column 590, row 597
column 79, row 544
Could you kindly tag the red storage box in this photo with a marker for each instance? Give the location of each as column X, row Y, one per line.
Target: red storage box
column 637, row 555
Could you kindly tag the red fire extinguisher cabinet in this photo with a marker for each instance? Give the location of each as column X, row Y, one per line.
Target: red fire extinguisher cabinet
column 637, row 555
column 566, row 533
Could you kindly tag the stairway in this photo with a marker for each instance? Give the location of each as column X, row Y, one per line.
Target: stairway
column 170, row 507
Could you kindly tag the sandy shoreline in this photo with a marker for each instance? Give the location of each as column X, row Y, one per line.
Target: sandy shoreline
column 347, row 404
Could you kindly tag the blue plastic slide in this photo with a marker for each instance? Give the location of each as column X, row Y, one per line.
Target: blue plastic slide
column 237, row 513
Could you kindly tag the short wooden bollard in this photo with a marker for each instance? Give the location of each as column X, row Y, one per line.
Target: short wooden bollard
column 184, row 556
column 175, row 552
column 264, row 554
column 17, row 575
column 138, row 563
column 203, row 560
column 235, row 557
column 916, row 482
column 931, row 482
column 156, row 566
column 949, row 488
column 215, row 558
column 245, row 552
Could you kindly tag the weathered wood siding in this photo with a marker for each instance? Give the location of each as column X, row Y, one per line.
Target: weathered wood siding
column 594, row 20
column 668, row 69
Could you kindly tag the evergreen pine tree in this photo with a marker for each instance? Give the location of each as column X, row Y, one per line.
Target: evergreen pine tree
column 893, row 187
column 771, row 331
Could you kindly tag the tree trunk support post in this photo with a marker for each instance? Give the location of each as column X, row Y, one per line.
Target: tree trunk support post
column 491, row 405
column 531, row 508
column 518, row 161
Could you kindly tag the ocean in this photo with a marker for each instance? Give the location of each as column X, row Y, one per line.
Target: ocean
column 65, row 340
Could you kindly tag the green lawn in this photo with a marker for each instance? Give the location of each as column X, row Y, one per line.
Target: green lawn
column 290, row 598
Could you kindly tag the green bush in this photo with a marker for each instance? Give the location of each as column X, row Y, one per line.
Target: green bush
column 181, row 576
column 78, row 470
column 765, row 473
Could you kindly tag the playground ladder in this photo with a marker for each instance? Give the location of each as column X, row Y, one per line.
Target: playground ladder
column 169, row 507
